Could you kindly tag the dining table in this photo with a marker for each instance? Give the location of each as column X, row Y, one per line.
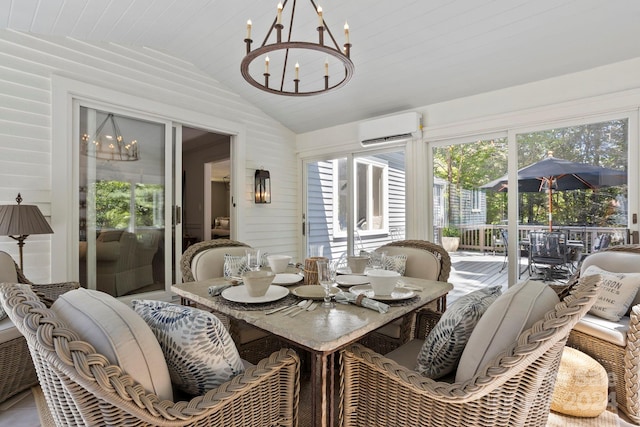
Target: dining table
column 322, row 331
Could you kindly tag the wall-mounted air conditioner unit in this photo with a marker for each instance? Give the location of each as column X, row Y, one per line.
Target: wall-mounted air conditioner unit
column 390, row 129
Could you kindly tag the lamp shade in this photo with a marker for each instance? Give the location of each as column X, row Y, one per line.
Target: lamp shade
column 19, row 220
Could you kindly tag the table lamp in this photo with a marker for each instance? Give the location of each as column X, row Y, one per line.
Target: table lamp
column 19, row 221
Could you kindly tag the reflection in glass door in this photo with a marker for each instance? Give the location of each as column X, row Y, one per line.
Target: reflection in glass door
column 122, row 196
column 375, row 217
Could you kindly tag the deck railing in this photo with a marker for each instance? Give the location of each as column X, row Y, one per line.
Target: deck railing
column 487, row 237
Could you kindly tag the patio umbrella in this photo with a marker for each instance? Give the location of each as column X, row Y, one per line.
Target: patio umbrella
column 551, row 174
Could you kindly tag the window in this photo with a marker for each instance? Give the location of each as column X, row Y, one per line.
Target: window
column 370, row 192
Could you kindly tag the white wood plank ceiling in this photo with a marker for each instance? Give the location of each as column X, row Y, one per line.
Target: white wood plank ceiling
column 407, row 53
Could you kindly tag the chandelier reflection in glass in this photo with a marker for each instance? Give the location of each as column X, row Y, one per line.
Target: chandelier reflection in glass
column 317, row 82
column 109, row 143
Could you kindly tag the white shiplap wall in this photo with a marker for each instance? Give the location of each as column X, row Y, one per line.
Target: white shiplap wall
column 27, row 66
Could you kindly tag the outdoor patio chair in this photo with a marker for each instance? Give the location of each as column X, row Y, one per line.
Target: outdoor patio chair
column 82, row 388
column 205, row 260
column 513, row 389
column 548, row 254
column 16, row 368
column 425, row 260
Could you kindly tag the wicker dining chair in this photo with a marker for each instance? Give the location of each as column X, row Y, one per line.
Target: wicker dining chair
column 513, row 389
column 425, row 260
column 82, row 388
column 205, row 260
column 16, row 368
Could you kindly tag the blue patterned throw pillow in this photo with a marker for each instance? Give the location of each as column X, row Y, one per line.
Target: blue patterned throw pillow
column 199, row 351
column 443, row 346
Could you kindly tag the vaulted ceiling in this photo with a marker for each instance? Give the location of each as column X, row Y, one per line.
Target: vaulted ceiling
column 407, row 53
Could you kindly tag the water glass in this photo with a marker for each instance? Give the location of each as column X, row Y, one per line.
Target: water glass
column 326, row 278
column 253, row 259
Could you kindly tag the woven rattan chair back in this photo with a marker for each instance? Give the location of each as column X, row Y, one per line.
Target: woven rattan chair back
column 82, row 388
column 514, row 389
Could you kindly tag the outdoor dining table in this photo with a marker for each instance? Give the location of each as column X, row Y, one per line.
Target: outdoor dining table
column 322, row 332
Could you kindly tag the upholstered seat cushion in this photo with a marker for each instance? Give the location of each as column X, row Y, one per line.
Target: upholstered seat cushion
column 607, row 330
column 117, row 332
column 445, row 343
column 198, row 349
column 514, row 311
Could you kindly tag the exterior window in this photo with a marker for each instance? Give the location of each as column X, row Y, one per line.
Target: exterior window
column 476, row 200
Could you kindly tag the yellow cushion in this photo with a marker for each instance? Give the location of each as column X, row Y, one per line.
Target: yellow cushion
column 581, row 386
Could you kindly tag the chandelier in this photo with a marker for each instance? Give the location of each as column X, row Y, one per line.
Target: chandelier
column 316, row 74
column 109, row 145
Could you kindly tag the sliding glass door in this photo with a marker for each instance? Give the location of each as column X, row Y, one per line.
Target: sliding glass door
column 124, row 192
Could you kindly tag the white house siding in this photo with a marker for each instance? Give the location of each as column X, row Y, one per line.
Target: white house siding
column 27, row 64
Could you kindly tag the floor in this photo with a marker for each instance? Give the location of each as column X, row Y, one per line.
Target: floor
column 470, row 271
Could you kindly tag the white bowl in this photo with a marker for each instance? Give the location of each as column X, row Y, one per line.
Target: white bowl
column 257, row 282
column 278, row 263
column 383, row 281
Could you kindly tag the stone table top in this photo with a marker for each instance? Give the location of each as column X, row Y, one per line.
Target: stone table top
column 321, row 330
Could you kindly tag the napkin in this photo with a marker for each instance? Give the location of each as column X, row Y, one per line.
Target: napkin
column 216, row 290
column 346, row 297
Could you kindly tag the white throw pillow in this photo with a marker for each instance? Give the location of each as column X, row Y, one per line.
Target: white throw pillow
column 513, row 312
column 119, row 334
column 617, row 292
column 443, row 346
column 198, row 349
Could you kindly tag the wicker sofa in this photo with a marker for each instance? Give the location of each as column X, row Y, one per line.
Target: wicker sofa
column 82, row 388
column 514, row 388
column 616, row 345
column 16, row 368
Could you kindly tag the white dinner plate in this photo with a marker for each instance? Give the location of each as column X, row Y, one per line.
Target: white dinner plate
column 397, row 294
column 351, row 280
column 286, row 279
column 312, row 291
column 347, row 271
column 240, row 294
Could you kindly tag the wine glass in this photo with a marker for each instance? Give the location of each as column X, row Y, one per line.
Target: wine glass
column 253, row 259
column 326, row 278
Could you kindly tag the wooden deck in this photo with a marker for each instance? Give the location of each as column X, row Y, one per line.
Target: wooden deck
column 475, row 270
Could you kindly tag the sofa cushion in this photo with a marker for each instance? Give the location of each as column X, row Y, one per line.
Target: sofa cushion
column 210, row 262
column 443, row 346
column 118, row 333
column 198, row 349
column 616, row 292
column 607, row 330
column 513, row 312
column 407, row 353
